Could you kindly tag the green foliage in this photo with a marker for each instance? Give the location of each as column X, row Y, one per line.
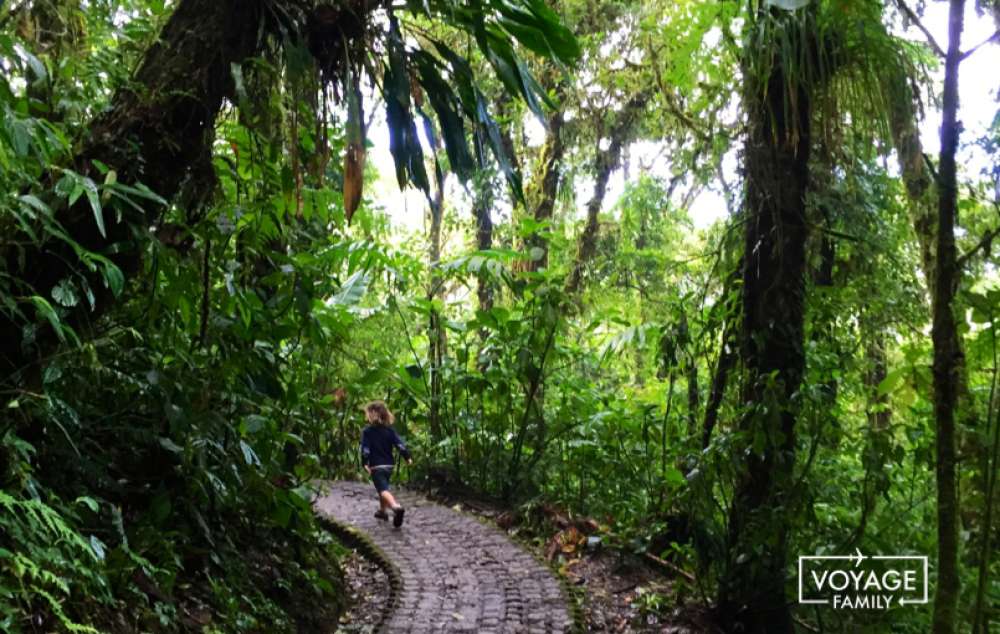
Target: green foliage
column 189, row 421
column 46, row 561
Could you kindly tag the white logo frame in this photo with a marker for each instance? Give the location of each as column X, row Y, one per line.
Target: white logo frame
column 858, row 558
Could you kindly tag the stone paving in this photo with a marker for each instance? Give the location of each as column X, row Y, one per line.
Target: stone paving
column 458, row 575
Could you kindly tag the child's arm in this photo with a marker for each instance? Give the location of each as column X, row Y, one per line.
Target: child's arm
column 366, row 451
column 401, row 446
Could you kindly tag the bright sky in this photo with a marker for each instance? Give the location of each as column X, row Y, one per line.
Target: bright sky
column 979, row 83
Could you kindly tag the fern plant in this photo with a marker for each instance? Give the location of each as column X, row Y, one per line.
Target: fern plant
column 45, row 560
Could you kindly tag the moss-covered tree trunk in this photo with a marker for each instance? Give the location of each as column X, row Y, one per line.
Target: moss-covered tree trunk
column 933, row 210
column 546, row 187
column 948, row 360
column 605, row 162
column 879, row 418
column 484, row 241
column 727, row 356
column 752, row 588
column 916, row 177
column 158, row 131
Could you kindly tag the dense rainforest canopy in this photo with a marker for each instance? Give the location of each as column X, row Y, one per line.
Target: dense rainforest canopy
column 718, row 276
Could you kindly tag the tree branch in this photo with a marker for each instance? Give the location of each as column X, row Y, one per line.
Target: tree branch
column 605, row 163
column 916, row 21
column 966, row 54
column 930, row 167
column 984, row 244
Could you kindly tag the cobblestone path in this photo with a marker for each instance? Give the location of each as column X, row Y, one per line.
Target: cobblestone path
column 458, row 575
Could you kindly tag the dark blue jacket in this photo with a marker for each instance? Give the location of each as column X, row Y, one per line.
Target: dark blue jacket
column 377, row 442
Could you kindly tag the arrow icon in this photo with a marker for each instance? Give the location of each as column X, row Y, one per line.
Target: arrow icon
column 858, row 557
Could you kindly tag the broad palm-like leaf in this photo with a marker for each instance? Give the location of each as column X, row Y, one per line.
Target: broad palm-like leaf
column 446, row 78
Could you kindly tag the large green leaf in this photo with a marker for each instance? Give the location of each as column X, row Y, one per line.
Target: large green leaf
column 540, row 30
column 445, row 104
column 352, row 291
column 404, row 144
column 508, row 66
column 46, row 310
column 497, row 146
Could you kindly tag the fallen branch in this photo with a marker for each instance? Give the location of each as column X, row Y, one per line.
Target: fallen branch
column 663, row 563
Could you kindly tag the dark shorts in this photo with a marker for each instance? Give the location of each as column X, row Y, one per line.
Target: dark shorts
column 380, row 478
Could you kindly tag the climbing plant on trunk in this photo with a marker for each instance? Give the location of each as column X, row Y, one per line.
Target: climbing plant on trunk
column 777, row 98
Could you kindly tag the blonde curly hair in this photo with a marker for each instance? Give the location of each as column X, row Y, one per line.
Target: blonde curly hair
column 377, row 413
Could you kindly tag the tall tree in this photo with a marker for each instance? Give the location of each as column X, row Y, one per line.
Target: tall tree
column 481, row 206
column 605, row 162
column 435, row 293
column 545, row 188
column 778, row 101
column 944, row 333
column 903, row 119
column 158, row 131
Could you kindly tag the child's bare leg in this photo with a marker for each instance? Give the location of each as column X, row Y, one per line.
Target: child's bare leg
column 387, row 500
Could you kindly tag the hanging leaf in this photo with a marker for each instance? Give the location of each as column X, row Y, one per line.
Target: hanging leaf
column 65, row 294
column 404, row 144
column 432, row 138
column 236, row 70
column 891, row 381
column 36, row 65
column 249, row 456
column 352, row 290
column 98, row 547
column 95, row 204
column 354, row 152
column 497, row 146
column 461, row 77
column 446, row 105
column 46, row 310
column 501, row 56
column 539, row 29
column 113, row 276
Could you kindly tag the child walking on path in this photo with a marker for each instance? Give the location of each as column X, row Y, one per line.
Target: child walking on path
column 377, row 441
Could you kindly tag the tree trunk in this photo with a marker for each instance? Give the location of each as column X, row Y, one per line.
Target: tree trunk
column 944, row 333
column 879, row 418
column 484, row 240
column 912, row 166
column 724, row 364
column 687, row 346
column 727, row 359
column 980, row 618
column 752, row 587
column 694, row 396
column 435, row 335
column 823, row 334
column 157, row 131
column 926, row 216
column 605, row 163
column 545, row 189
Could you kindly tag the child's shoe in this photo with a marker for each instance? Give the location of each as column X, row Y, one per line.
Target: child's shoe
column 397, row 516
column 381, row 515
